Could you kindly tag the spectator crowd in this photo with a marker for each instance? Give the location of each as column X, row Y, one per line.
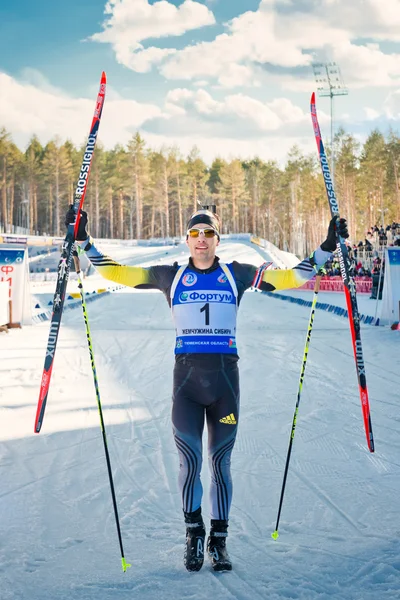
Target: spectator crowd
column 365, row 257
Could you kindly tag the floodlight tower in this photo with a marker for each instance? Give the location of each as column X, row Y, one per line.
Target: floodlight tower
column 330, row 83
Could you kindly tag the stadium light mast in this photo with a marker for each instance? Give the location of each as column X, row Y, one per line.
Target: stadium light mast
column 330, row 83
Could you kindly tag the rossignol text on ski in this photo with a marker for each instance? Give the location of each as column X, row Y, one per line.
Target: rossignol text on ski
column 66, row 256
column 348, row 282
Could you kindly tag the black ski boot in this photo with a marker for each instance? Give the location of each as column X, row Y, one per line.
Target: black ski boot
column 195, row 536
column 216, row 546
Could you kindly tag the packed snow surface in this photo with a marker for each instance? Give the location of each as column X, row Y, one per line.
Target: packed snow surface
column 340, row 522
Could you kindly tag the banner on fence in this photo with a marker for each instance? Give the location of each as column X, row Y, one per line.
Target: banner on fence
column 335, row 284
column 14, row 270
column 390, row 312
column 4, row 304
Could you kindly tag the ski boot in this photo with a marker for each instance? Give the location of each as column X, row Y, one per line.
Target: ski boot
column 216, row 546
column 195, row 536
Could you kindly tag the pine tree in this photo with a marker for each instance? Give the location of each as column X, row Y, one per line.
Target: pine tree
column 10, row 170
column 178, row 188
column 33, row 159
column 233, row 190
column 139, row 180
column 373, row 165
column 117, row 183
column 346, row 180
column 56, row 169
column 393, row 176
column 197, row 177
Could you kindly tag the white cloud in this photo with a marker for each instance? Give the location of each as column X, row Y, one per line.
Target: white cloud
column 204, row 104
column 236, row 113
column 363, row 18
column 33, row 77
column 232, row 57
column 235, row 75
column 234, row 125
column 27, row 109
column 286, row 110
column 371, row 113
column 201, row 83
column 253, row 111
column 237, row 125
column 267, row 148
column 143, row 61
column 285, row 40
column 364, row 66
column 129, row 22
column 392, row 105
column 282, row 33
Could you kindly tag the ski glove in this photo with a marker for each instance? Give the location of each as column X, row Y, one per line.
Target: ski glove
column 82, row 233
column 335, row 225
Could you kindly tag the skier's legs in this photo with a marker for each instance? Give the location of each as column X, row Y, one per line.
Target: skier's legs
column 222, row 422
column 188, row 425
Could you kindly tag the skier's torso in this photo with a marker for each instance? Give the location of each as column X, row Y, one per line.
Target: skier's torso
column 190, row 313
column 204, row 307
column 204, row 302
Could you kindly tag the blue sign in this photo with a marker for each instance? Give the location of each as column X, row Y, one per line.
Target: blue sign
column 394, row 256
column 10, row 256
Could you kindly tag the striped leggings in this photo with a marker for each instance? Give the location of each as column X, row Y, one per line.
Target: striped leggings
column 206, row 387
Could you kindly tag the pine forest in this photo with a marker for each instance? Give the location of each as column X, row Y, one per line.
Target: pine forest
column 136, row 192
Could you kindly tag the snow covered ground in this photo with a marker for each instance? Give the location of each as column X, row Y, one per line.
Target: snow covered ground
column 366, row 305
column 340, row 523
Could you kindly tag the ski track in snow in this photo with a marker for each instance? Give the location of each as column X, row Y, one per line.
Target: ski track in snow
column 340, row 523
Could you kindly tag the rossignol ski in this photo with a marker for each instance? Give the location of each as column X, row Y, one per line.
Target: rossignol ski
column 348, row 282
column 66, row 255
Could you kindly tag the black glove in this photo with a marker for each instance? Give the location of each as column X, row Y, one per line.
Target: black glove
column 336, row 225
column 82, row 233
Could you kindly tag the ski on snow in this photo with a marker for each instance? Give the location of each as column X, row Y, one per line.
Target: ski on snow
column 66, row 256
column 348, row 282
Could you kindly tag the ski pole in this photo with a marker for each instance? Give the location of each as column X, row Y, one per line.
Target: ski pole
column 125, row 565
column 275, row 534
column 379, row 282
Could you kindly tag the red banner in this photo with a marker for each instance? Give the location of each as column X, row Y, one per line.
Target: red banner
column 335, row 284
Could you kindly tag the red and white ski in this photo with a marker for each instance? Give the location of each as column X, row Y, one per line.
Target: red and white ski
column 348, row 282
column 65, row 261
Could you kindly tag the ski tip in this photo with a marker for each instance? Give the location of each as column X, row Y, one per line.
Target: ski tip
column 313, row 98
column 275, row 535
column 103, row 77
column 125, row 565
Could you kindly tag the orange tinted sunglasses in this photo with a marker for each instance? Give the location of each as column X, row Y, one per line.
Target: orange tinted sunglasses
column 194, row 232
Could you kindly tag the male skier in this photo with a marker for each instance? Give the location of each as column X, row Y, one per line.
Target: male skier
column 204, row 295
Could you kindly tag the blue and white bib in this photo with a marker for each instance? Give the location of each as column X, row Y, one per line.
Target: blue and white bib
column 204, row 308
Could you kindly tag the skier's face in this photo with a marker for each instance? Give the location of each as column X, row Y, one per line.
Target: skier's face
column 202, row 248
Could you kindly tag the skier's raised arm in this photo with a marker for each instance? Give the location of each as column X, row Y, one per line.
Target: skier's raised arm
column 297, row 276
column 131, row 276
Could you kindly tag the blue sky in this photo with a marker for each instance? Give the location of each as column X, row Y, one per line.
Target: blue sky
column 233, row 77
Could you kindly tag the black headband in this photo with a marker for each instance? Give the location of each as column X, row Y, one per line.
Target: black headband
column 206, row 217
